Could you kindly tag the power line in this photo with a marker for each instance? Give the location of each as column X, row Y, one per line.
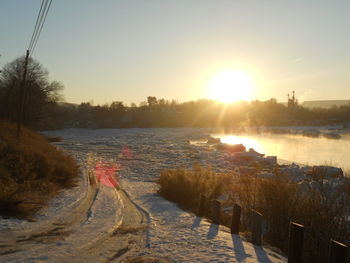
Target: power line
column 45, row 6
column 36, row 25
column 41, row 27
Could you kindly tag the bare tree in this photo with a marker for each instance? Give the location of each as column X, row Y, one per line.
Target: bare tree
column 41, row 94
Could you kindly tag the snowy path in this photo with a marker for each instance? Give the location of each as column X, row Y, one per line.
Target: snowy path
column 178, row 236
column 68, row 236
column 81, row 225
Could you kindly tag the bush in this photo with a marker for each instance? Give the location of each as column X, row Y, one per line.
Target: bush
column 323, row 213
column 31, row 171
column 184, row 186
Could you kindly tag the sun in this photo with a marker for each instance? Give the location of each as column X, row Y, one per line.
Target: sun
column 231, row 86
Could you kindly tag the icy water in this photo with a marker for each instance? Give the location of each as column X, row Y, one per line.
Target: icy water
column 172, row 142
column 297, row 148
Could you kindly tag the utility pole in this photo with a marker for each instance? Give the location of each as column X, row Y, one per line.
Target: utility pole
column 22, row 95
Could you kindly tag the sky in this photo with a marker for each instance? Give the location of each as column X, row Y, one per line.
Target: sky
column 126, row 50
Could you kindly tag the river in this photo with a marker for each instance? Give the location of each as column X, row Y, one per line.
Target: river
column 296, row 148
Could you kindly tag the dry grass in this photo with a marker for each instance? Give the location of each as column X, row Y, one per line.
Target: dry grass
column 147, row 260
column 323, row 213
column 184, row 186
column 31, row 171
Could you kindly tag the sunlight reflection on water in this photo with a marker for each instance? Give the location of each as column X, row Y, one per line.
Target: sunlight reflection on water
column 296, row 148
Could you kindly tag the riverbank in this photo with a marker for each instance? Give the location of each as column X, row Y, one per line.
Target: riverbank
column 141, row 155
column 170, row 234
column 31, row 171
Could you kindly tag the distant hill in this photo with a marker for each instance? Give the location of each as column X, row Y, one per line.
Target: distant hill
column 324, row 103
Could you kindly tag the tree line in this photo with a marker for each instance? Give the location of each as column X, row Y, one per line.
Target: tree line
column 46, row 109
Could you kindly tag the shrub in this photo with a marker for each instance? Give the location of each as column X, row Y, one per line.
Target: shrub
column 31, row 171
column 184, row 186
column 323, row 213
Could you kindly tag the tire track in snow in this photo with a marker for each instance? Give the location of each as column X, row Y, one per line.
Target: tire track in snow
column 89, row 231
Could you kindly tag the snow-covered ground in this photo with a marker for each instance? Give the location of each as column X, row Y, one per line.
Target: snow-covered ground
column 179, row 236
column 149, row 226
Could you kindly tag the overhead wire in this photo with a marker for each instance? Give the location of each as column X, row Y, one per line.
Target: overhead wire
column 40, row 23
column 36, row 24
column 41, row 27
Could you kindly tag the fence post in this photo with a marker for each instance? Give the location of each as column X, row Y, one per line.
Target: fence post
column 201, row 207
column 215, row 213
column 295, row 246
column 257, row 220
column 337, row 252
column 236, row 219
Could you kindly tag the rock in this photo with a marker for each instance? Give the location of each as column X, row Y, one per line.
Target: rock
column 212, row 140
column 270, row 160
column 252, row 155
column 243, row 156
column 233, row 148
column 251, row 150
column 294, row 172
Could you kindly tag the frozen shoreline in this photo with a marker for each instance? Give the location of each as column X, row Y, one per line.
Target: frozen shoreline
column 153, row 150
column 171, row 235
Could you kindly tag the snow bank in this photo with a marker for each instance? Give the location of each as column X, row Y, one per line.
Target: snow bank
column 182, row 237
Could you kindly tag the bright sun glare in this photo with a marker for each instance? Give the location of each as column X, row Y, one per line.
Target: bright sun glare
column 231, row 86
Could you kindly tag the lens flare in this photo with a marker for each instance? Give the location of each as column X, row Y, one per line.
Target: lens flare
column 106, row 174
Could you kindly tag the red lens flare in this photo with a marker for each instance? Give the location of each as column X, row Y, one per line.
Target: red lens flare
column 106, row 174
column 126, row 153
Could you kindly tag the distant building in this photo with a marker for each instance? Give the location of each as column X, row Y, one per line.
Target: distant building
column 292, row 102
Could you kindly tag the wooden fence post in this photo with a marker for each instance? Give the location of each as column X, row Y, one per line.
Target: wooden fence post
column 337, row 252
column 236, row 219
column 215, row 213
column 295, row 246
column 201, row 207
column 257, row 220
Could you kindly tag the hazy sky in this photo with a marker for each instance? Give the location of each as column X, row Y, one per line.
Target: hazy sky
column 127, row 50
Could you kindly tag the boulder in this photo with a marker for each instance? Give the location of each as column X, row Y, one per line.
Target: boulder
column 252, row 155
column 252, row 151
column 294, row 172
column 269, row 160
column 212, row 140
column 233, row 148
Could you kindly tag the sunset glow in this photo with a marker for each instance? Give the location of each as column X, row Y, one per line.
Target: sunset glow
column 231, row 86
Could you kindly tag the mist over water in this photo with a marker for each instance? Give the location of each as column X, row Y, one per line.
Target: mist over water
column 297, row 148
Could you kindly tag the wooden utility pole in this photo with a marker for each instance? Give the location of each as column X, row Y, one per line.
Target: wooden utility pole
column 22, row 96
